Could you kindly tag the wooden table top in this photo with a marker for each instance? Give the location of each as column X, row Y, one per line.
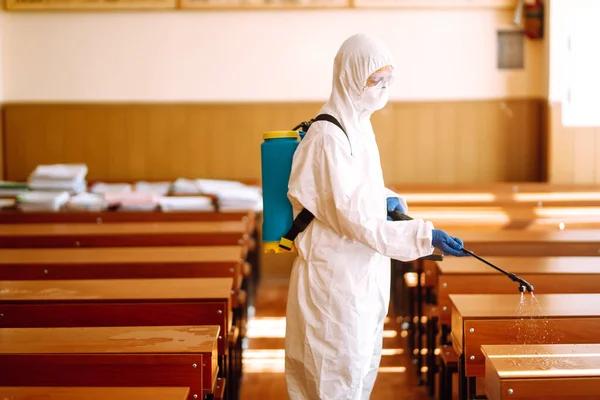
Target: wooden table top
column 103, row 255
column 494, row 306
column 93, row 393
column 137, row 339
column 117, row 289
column 124, row 228
column 520, row 265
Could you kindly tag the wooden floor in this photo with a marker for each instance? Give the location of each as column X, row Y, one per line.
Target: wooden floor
column 263, row 361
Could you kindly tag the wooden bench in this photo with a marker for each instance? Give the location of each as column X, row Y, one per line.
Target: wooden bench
column 502, row 319
column 107, row 217
column 563, row 371
column 130, row 234
column 139, row 302
column 112, row 356
column 123, row 263
column 94, row 393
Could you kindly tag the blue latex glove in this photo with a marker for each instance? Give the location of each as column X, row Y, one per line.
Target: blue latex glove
column 393, row 204
column 447, row 244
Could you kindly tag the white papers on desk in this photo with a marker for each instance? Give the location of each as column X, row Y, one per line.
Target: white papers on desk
column 42, row 201
column 12, row 189
column 133, row 201
column 159, row 188
column 215, row 186
column 59, row 178
column 240, row 199
column 73, row 172
column 185, row 186
column 87, row 202
column 101, row 188
column 186, row 203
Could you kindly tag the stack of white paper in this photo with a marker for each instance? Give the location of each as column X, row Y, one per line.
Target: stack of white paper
column 160, row 188
column 42, row 200
column 133, row 201
column 185, row 186
column 186, row 203
column 102, row 188
column 87, row 202
column 59, row 177
column 240, row 199
column 12, row 189
column 215, row 186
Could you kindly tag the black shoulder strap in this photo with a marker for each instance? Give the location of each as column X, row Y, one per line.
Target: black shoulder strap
column 331, row 119
column 305, row 217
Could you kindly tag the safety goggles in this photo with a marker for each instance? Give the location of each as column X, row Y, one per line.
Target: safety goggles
column 380, row 79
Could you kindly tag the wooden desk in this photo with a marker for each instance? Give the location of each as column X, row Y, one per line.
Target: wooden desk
column 498, row 194
column 499, row 319
column 93, row 393
column 19, row 217
column 546, row 274
column 111, row 356
column 123, row 263
column 97, row 303
column 129, row 234
column 566, row 371
column 572, row 243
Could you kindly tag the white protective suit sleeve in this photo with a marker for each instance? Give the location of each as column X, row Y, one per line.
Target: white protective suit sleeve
column 402, row 200
column 333, row 176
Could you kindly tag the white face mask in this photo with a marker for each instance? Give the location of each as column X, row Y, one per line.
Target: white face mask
column 374, row 98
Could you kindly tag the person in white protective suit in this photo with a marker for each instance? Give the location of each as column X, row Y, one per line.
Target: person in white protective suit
column 340, row 283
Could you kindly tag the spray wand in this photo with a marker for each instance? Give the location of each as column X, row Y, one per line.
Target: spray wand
column 523, row 284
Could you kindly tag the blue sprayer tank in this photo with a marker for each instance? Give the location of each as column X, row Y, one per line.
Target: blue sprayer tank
column 277, row 152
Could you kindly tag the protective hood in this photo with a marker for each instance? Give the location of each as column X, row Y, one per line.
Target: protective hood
column 358, row 57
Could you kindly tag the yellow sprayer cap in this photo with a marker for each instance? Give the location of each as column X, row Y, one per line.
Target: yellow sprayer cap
column 280, row 135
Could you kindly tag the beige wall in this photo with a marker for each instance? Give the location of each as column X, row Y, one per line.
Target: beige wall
column 247, row 56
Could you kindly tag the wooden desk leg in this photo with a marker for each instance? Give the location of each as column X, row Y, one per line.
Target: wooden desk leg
column 420, row 332
column 462, row 380
column 442, row 381
column 432, row 323
column 472, row 381
column 445, row 336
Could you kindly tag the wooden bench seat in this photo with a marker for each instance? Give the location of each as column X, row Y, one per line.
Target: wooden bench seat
column 111, row 356
column 95, row 393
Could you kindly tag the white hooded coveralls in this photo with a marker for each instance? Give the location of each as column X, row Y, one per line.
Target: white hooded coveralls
column 340, row 283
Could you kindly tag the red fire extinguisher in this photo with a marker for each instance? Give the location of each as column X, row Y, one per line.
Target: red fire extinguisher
column 534, row 19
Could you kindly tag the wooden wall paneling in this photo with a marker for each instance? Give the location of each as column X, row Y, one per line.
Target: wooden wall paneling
column 387, row 134
column 446, row 146
column 465, row 135
column 451, row 142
